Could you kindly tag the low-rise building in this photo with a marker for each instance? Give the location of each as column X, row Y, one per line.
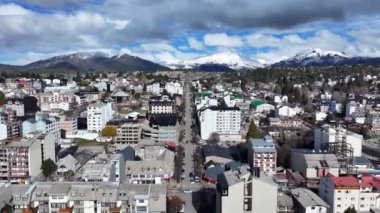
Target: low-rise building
column 240, row 192
column 263, row 154
column 307, row 201
column 340, row 193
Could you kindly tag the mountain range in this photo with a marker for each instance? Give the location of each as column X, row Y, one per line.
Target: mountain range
column 222, row 61
column 88, row 62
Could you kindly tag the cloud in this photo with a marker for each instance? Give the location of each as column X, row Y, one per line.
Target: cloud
column 223, row 40
column 195, row 44
column 289, row 45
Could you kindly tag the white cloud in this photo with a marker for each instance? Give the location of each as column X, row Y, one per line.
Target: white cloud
column 156, row 46
column 195, row 44
column 291, row 44
column 223, row 40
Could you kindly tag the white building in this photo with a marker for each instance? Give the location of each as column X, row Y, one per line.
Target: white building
column 264, row 108
column 98, row 115
column 43, row 123
column 3, row 131
column 240, row 192
column 351, row 108
column 16, row 105
column 224, row 121
column 174, row 88
column 161, row 105
column 344, row 192
column 285, row 111
column 153, row 88
column 328, row 134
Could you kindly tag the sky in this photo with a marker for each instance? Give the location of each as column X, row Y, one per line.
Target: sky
column 173, row 30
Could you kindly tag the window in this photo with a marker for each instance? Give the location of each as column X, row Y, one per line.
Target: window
column 141, row 201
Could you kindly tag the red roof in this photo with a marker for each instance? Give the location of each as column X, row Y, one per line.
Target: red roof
column 370, row 181
column 347, row 181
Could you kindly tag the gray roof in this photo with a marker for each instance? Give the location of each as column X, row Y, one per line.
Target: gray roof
column 307, row 198
column 263, row 145
column 60, row 188
column 284, row 200
column 321, row 160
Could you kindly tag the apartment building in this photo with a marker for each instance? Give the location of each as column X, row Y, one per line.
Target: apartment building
column 98, row 115
column 69, row 124
column 43, row 123
column 349, row 191
column 327, row 134
column 128, row 132
column 162, row 105
column 263, row 154
column 314, row 164
column 22, row 159
column 13, row 124
column 79, row 197
column 221, row 120
column 17, row 105
column 241, row 192
column 162, row 128
column 104, row 168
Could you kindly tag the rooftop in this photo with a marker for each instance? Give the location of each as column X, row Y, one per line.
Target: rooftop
column 307, row 198
column 347, row 181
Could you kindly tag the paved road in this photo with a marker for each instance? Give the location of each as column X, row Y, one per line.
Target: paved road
column 189, row 150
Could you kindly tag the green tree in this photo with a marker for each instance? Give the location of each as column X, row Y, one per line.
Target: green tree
column 2, row 98
column 109, row 131
column 350, row 210
column 48, row 167
column 253, row 131
column 137, row 96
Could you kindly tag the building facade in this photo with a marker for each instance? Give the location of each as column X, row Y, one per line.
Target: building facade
column 224, row 121
column 98, row 115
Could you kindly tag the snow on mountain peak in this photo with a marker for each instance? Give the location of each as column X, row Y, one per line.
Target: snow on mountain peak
column 317, row 53
column 230, row 59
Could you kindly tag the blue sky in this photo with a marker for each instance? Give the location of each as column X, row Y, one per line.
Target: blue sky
column 173, row 30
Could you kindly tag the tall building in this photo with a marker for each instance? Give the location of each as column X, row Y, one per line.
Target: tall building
column 43, row 123
column 348, row 191
column 328, row 135
column 98, row 115
column 22, row 159
column 241, row 192
column 221, row 120
column 263, row 154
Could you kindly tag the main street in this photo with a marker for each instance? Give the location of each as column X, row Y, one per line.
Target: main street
column 189, row 150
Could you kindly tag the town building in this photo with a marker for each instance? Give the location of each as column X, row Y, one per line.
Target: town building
column 340, row 193
column 240, row 192
column 162, row 105
column 307, row 201
column 69, row 124
column 42, row 123
column 98, row 115
column 314, row 164
column 221, row 120
column 326, row 135
column 263, row 154
column 17, row 105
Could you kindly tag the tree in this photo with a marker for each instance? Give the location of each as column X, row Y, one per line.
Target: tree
column 253, row 131
column 175, row 204
column 350, row 210
column 137, row 96
column 2, row 98
column 48, row 167
column 213, row 139
column 109, row 131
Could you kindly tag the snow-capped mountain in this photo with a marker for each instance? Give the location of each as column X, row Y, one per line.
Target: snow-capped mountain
column 313, row 57
column 222, row 61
